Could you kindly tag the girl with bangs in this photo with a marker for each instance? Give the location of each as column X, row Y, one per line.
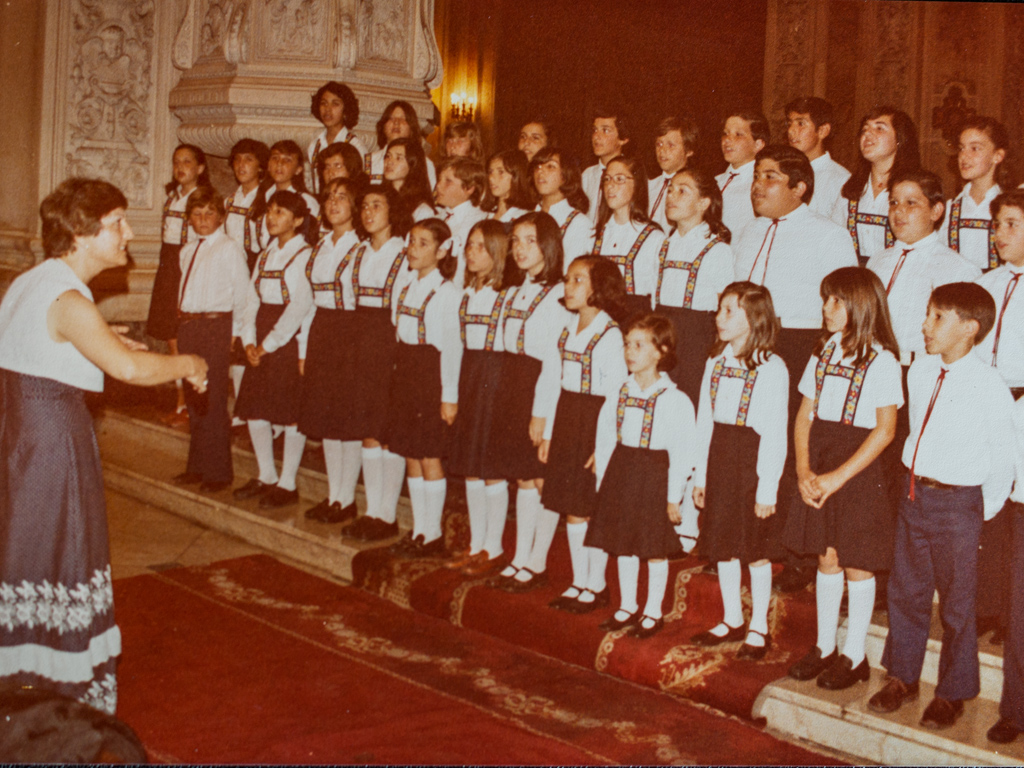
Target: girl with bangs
column 625, row 234
column 284, row 174
column 340, row 161
column 508, row 195
column 741, row 448
column 405, row 169
column 397, row 121
column 559, row 188
column 843, row 513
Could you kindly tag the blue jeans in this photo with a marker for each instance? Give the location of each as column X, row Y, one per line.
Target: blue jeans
column 936, row 548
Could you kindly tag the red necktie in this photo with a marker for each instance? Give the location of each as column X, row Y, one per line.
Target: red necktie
column 657, row 202
column 899, row 266
column 728, row 181
column 1007, row 295
column 924, row 424
column 772, row 229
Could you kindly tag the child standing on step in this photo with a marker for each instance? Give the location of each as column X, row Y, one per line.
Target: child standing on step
column 741, row 439
column 852, row 387
column 643, row 458
column 593, row 369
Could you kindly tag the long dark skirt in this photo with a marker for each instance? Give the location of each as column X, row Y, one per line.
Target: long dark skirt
column 471, row 434
column 632, row 506
column 729, row 526
column 859, row 520
column 569, row 488
column 58, row 632
column 511, row 450
column 162, row 322
column 330, row 363
column 695, row 333
column 637, row 305
column 366, row 388
column 415, row 427
column 271, row 391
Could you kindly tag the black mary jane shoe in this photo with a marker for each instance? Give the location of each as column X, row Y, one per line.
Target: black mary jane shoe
column 336, row 513
column 842, row 674
column 566, row 602
column 812, row 664
column 642, row 632
column 500, row 581
column 754, row 652
column 251, row 490
column 611, row 624
column 601, row 599
column 278, row 497
column 536, row 580
column 708, row 639
column 319, row 512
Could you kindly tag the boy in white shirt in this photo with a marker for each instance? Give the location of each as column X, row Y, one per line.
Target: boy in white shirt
column 460, row 186
column 674, row 145
column 808, row 127
column 610, row 133
column 744, row 134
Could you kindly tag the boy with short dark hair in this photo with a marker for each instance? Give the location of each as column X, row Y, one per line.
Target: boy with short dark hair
column 744, row 134
column 460, row 186
column 959, row 473
column 808, row 127
column 608, row 136
column 674, row 145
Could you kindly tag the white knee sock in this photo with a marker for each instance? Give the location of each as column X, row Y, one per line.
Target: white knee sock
column 418, row 502
column 760, row 597
column 333, row 463
column 497, row 511
column 263, row 446
column 434, row 492
column 861, row 605
column 828, row 594
column 578, row 555
column 629, row 576
column 527, row 512
column 476, row 502
column 294, row 443
column 729, row 580
column 596, row 570
column 373, row 479
column 547, row 524
column 351, row 459
column 657, row 581
column 391, row 488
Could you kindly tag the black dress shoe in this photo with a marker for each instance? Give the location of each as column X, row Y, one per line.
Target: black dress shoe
column 812, row 664
column 536, row 580
column 601, row 599
column 335, row 513
column 566, row 602
column 433, row 548
column 709, row 639
column 754, row 652
column 842, row 674
column 187, row 478
column 317, row 512
column 405, row 546
column 641, row 632
column 376, row 529
column 892, row 696
column 942, row 713
column 611, row 624
column 1003, row 732
column 251, row 490
column 278, row 497
column 214, row 486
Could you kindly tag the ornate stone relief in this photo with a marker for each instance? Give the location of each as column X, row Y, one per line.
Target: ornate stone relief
column 384, row 30
column 110, row 95
column 295, row 29
column 221, row 34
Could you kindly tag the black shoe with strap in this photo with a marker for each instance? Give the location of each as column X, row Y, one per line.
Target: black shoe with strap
column 812, row 664
column 842, row 674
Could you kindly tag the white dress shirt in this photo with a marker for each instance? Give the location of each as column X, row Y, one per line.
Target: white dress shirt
column 175, row 220
column 483, row 309
column 969, row 436
column 327, row 256
column 591, row 180
column 370, row 270
column 319, row 144
column 829, row 178
column 217, row 275
column 672, row 430
column 511, row 214
column 438, row 299
column 768, row 415
column 737, row 210
column 928, row 265
column 792, row 261
column 973, row 244
column 577, row 237
column 714, row 272
column 1008, row 358
column 540, row 338
column 618, row 239
column 871, row 237
column 882, row 385
column 657, row 194
column 607, row 368
column 237, row 220
column 460, row 220
column 294, row 256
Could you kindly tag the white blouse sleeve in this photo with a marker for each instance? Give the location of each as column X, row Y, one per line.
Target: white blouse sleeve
column 606, row 439
column 771, row 407
column 681, row 447
column 549, row 383
column 705, row 425
column 451, row 343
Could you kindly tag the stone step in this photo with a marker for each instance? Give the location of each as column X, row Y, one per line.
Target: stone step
column 842, row 721
column 140, row 458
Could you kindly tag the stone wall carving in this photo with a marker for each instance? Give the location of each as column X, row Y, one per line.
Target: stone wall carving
column 384, row 30
column 109, row 95
column 895, row 33
column 295, row 29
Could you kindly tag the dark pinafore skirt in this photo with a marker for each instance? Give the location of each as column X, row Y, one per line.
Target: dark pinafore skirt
column 569, row 487
column 415, row 428
column 162, row 322
column 695, row 333
column 636, row 306
column 57, row 627
column 511, row 450
column 272, row 390
column 366, row 387
column 729, row 527
column 858, row 521
column 632, row 506
column 330, row 361
column 479, row 380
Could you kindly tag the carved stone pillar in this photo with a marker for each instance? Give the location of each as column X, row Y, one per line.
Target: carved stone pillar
column 250, row 66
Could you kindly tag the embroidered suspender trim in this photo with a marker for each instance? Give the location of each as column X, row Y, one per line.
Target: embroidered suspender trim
column 381, row 293
column 401, row 309
column 956, row 223
column 276, row 274
column 524, row 315
column 491, row 320
column 585, row 358
column 177, row 215
column 691, row 268
column 748, row 376
column 646, row 405
column 853, row 218
column 242, row 211
column 625, row 262
column 855, row 375
column 335, row 286
column 568, row 220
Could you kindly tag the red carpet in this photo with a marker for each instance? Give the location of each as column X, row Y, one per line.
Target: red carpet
column 250, row 660
column 667, row 661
